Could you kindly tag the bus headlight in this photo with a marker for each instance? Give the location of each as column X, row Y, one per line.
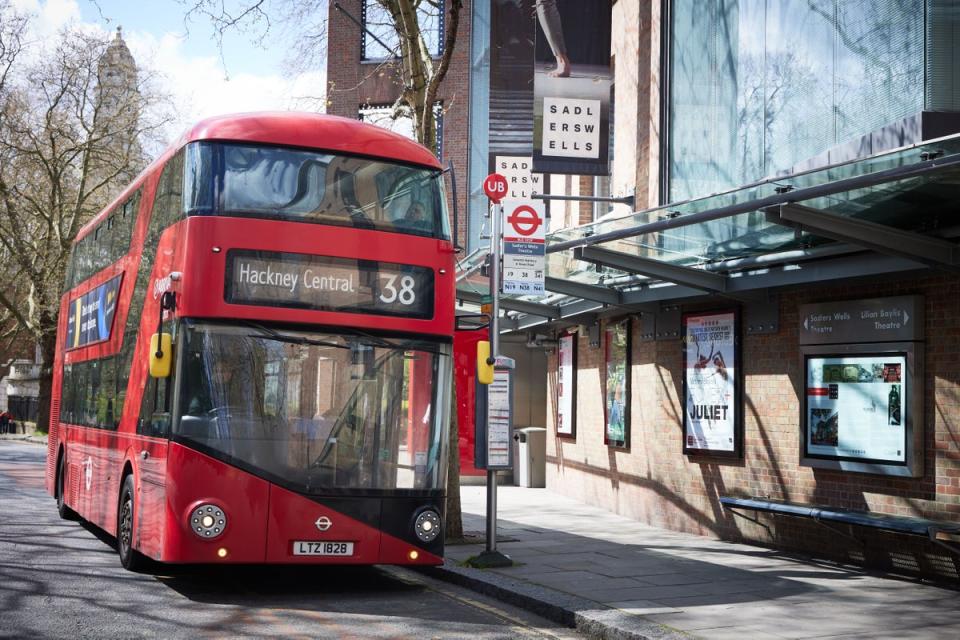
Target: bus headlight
column 427, row 525
column 208, row 521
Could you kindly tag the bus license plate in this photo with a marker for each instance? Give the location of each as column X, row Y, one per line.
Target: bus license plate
column 308, row 548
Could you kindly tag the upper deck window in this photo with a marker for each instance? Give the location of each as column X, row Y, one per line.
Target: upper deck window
column 310, row 186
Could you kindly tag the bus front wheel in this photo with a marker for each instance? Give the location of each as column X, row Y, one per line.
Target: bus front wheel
column 65, row 512
column 130, row 558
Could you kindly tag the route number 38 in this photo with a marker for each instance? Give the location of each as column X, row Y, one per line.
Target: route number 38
column 405, row 294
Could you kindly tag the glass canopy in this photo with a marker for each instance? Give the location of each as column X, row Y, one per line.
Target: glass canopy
column 910, row 189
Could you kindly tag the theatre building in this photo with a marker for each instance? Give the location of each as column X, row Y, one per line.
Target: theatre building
column 766, row 348
column 750, row 327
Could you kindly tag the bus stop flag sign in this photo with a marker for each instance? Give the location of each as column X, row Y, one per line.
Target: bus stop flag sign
column 495, row 186
column 524, row 246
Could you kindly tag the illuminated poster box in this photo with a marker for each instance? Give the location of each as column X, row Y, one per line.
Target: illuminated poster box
column 862, row 406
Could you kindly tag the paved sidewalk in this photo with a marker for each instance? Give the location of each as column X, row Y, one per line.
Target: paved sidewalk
column 616, row 578
column 24, row 437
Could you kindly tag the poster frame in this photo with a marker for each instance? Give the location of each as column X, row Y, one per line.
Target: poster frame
column 598, row 19
column 737, row 452
column 628, row 324
column 914, row 386
column 572, row 436
column 481, row 453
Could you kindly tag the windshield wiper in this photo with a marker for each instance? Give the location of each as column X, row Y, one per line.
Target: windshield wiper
column 271, row 334
column 368, row 338
column 403, row 345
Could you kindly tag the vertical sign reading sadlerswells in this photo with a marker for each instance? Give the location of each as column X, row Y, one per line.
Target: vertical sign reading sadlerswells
column 711, row 416
column 571, row 87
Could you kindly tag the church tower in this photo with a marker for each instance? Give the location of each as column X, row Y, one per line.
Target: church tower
column 119, row 104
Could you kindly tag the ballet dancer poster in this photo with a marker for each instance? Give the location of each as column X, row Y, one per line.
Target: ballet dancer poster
column 571, row 87
column 711, row 384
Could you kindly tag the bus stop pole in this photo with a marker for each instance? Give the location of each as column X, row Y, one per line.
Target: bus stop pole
column 496, row 215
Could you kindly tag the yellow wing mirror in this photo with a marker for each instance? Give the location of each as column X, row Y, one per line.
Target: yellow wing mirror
column 161, row 355
column 484, row 368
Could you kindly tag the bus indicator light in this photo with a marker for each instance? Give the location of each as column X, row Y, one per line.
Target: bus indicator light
column 222, row 552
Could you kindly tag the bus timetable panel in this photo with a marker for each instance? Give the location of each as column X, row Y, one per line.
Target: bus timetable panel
column 327, row 283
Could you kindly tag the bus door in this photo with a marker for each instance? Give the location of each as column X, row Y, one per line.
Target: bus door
column 153, row 428
column 420, row 388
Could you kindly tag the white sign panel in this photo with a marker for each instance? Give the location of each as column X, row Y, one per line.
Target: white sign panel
column 521, row 181
column 566, row 386
column 498, row 420
column 524, row 247
column 710, row 412
column 571, row 128
column 856, row 407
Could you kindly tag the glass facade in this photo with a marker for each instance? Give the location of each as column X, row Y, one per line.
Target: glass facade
column 760, row 87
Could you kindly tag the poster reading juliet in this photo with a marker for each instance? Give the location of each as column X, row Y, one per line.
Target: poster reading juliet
column 710, row 382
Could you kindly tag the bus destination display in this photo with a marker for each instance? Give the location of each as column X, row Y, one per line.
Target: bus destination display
column 856, row 407
column 328, row 283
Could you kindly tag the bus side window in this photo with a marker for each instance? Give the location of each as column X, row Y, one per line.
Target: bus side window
column 70, row 280
column 67, row 394
column 125, row 216
column 107, row 417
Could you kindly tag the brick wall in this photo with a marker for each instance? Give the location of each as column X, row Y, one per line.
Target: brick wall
column 352, row 84
column 654, row 483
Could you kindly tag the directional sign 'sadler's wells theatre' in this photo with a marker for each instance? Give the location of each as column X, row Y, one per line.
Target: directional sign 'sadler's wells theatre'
column 863, row 403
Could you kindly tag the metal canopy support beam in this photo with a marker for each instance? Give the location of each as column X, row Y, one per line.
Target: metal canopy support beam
column 584, row 291
column 878, row 237
column 696, row 278
column 781, row 197
column 843, row 267
column 530, row 308
column 570, row 313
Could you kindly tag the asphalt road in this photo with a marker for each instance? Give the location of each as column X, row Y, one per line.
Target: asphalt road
column 63, row 579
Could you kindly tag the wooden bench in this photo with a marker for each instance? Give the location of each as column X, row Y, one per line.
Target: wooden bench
column 943, row 534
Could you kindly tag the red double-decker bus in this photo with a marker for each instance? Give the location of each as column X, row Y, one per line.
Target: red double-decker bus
column 254, row 352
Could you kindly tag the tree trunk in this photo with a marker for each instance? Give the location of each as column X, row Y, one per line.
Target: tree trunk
column 48, row 347
column 454, row 521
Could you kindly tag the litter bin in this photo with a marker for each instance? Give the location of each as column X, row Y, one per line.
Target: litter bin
column 532, row 457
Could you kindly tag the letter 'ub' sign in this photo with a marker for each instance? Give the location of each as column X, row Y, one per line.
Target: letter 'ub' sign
column 711, row 388
column 571, row 87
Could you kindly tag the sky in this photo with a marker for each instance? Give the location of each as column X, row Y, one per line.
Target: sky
column 248, row 77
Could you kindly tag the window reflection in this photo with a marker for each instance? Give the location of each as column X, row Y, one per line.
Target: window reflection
column 314, row 187
column 317, row 410
column 759, row 87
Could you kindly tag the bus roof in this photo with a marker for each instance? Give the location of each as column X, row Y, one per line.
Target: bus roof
column 288, row 128
column 315, row 131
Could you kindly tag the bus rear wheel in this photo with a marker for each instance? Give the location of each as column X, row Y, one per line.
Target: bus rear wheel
column 65, row 512
column 130, row 558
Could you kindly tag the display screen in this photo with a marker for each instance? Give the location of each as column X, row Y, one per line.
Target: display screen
column 856, row 407
column 329, row 283
column 90, row 316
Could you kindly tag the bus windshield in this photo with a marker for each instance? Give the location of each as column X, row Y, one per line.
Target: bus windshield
column 311, row 186
column 316, row 411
